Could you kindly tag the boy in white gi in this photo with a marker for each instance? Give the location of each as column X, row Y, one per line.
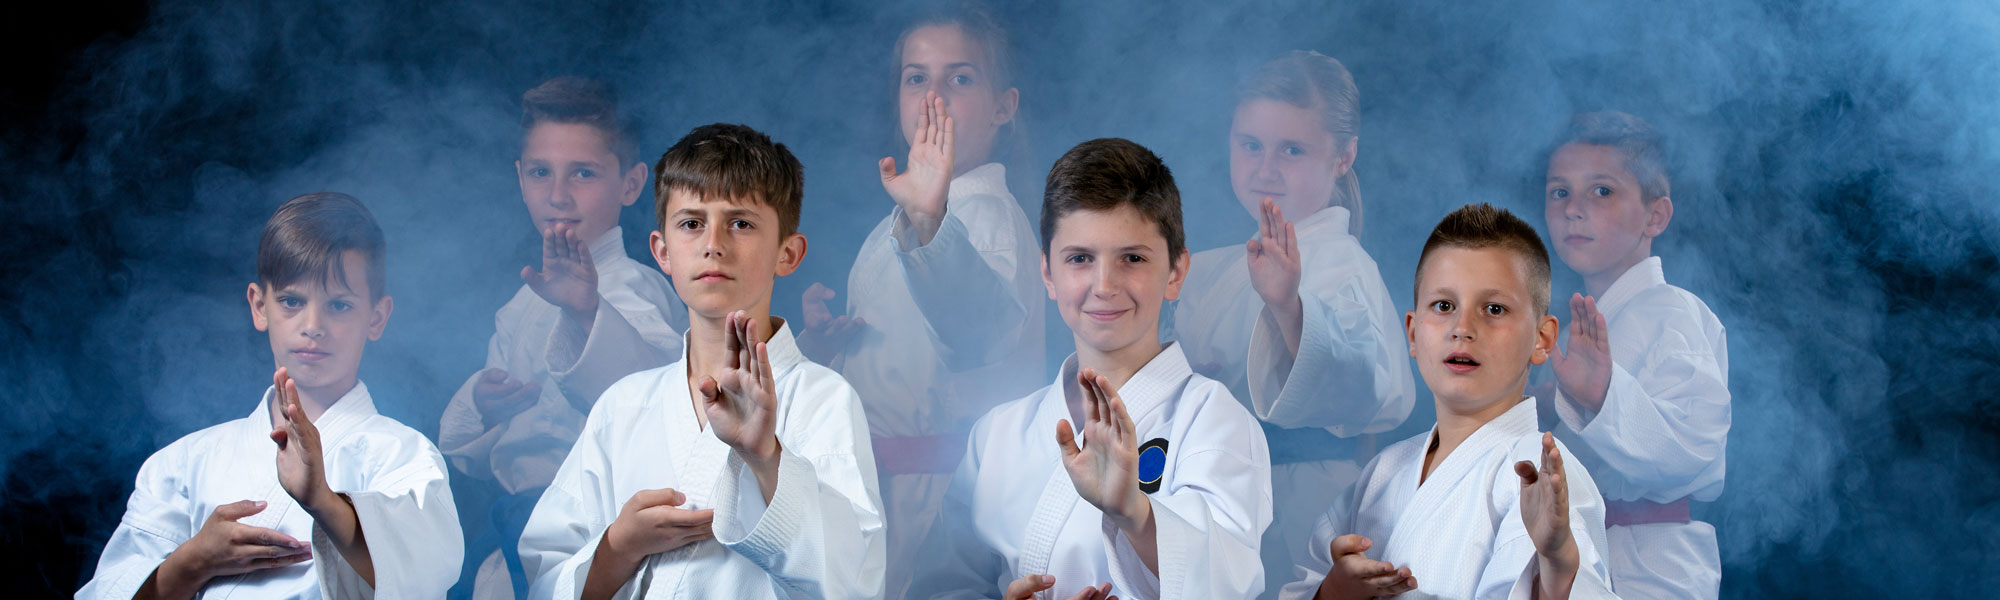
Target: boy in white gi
column 1463, row 511
column 347, row 503
column 1165, row 490
column 590, row 316
column 1643, row 388
column 741, row 470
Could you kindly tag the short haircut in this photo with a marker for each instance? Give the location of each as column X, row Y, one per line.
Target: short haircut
column 1480, row 226
column 733, row 163
column 583, row 101
column 307, row 236
column 1105, row 173
column 1642, row 148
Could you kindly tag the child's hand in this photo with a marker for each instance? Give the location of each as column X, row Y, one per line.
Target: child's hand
column 1274, row 270
column 1106, row 471
column 1025, row 587
column 740, row 400
column 1354, row 575
column 825, row 335
column 922, row 190
column 1101, row 592
column 1584, row 372
column 499, row 397
column 568, row 278
column 224, row 547
column 300, row 468
column 652, row 522
column 1545, row 510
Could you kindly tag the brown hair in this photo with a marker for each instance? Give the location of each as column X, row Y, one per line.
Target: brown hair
column 1105, row 173
column 1642, row 148
column 1011, row 147
column 307, row 236
column 1315, row 81
column 736, row 163
column 1480, row 226
column 578, row 100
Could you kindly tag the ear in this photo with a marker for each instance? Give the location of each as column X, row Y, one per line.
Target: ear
column 1343, row 160
column 657, row 242
column 1007, row 107
column 1177, row 276
column 256, row 298
column 635, row 182
column 1545, row 339
column 791, row 253
column 1410, row 331
column 379, row 319
column 1659, row 212
column 1048, row 278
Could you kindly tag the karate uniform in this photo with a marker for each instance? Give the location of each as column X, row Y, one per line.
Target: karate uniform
column 391, row 473
column 954, row 328
column 1013, row 510
column 1351, row 375
column 1659, row 440
column 820, row 536
column 1460, row 531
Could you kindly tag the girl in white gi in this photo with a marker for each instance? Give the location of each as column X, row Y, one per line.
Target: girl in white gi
column 944, row 308
column 590, row 316
column 347, row 503
column 1297, row 321
column 1165, row 491
column 1483, row 505
column 1643, row 390
column 741, row 470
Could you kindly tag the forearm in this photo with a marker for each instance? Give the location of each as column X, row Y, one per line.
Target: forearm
column 174, row 579
column 609, row 570
column 765, row 468
column 1142, row 531
column 334, row 513
column 1555, row 572
column 1289, row 319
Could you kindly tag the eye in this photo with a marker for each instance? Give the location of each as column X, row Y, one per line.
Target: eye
column 538, row 172
column 585, row 173
column 1291, row 150
column 339, row 306
column 916, row 79
column 291, row 302
column 1495, row 310
column 1601, row 191
column 688, row 224
column 1253, row 146
column 739, row 224
column 961, row 79
column 1077, row 259
column 1443, row 306
column 1558, row 194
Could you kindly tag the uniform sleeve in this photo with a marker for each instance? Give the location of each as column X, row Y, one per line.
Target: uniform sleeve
column 967, row 568
column 821, row 535
column 616, row 346
column 968, row 282
column 462, row 433
column 1209, row 525
column 1663, row 426
column 562, row 533
column 156, row 522
column 1510, row 569
column 1351, row 374
column 408, row 522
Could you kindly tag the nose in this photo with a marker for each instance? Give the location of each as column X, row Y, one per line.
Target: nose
column 714, row 243
column 314, row 325
column 1267, row 170
column 1572, row 210
column 559, row 195
column 1460, row 329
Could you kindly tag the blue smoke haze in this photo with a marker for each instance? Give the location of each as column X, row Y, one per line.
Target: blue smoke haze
column 1834, row 175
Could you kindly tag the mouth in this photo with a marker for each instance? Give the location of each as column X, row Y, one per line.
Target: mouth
column 310, row 355
column 561, row 221
column 1105, row 315
column 1461, row 363
column 1271, row 195
column 1575, row 240
column 711, row 276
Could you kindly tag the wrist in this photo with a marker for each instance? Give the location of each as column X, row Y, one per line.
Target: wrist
column 764, row 457
column 322, row 502
column 179, row 572
column 581, row 317
column 1560, row 562
column 1135, row 520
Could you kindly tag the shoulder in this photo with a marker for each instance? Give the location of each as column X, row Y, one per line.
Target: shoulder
column 1208, row 417
column 1664, row 310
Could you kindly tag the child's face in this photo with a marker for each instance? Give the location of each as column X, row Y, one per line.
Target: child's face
column 318, row 333
column 570, row 177
column 1598, row 218
column 1108, row 272
column 1282, row 152
column 943, row 59
column 1475, row 330
column 724, row 256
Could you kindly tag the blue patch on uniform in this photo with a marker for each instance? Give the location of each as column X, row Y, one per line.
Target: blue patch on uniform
column 1152, row 464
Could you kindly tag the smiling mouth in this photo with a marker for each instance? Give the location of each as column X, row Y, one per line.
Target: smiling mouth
column 1105, row 315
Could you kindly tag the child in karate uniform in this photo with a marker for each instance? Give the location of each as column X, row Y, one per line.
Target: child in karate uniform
column 1164, row 490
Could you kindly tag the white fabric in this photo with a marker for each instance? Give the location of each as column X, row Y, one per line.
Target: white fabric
column 820, row 537
column 1013, row 511
column 1460, row 531
column 638, row 325
column 1351, row 375
column 1662, row 431
column 394, row 477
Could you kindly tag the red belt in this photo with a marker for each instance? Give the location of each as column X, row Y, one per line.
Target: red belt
column 924, row 454
column 1619, row 513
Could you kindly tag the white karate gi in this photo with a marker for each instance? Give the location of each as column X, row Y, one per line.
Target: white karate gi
column 1013, row 511
column 1351, row 375
column 1660, row 437
column 391, row 473
column 820, row 537
column 954, row 328
column 1460, row 532
column 638, row 325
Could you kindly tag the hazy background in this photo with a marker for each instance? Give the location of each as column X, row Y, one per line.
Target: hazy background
column 1835, row 165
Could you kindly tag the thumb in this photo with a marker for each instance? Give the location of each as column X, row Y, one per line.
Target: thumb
column 1066, row 438
column 529, row 276
column 493, row 376
column 1022, row 588
column 1526, row 471
column 1350, row 544
column 888, row 167
column 1253, row 247
column 238, row 509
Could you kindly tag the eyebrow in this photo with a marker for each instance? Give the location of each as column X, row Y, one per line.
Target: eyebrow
column 1132, row 248
column 956, row 65
column 734, row 211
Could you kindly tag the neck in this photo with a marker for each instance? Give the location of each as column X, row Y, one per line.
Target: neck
column 966, row 162
column 708, row 338
column 317, row 400
column 1597, row 283
column 1121, row 364
column 1455, row 425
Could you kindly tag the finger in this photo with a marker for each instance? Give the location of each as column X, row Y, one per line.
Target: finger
column 923, row 125
column 236, row 510
column 1603, row 337
column 950, row 134
column 1028, row 585
column 709, row 390
column 494, row 376
column 548, row 246
column 687, row 518
column 1291, row 241
column 1083, row 383
column 888, row 168
column 733, row 340
column 1066, row 438
column 1526, row 471
column 1552, row 460
column 1121, row 417
column 937, row 121
column 764, row 373
column 267, row 538
column 1253, row 248
column 260, row 564
column 644, row 499
column 1349, row 544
